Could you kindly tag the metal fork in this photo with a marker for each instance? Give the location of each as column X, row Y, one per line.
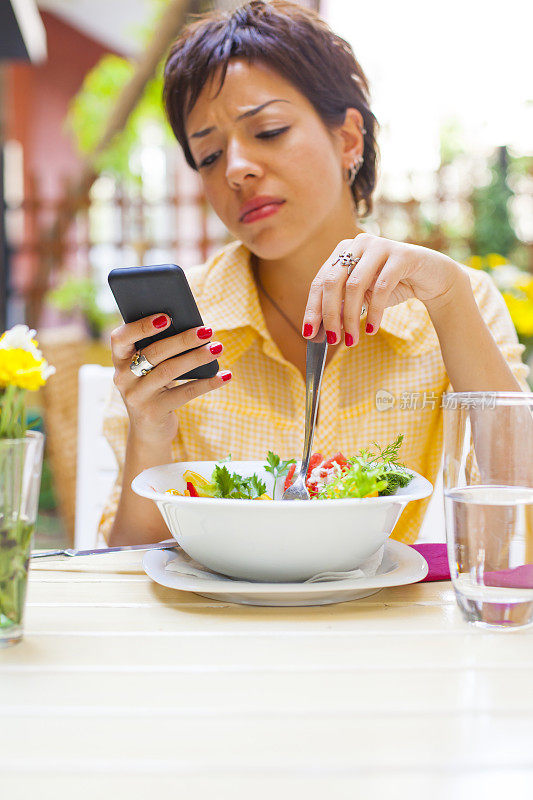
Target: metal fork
column 317, row 349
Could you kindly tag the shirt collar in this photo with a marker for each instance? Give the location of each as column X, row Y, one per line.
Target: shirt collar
column 407, row 322
column 231, row 269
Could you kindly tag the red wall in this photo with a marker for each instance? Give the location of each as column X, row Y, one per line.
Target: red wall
column 38, row 98
column 36, row 102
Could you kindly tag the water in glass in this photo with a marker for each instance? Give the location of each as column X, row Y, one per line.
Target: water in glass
column 490, row 546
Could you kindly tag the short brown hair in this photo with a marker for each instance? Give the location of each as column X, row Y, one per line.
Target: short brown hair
column 290, row 39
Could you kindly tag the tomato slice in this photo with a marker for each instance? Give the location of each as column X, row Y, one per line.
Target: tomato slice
column 341, row 460
column 314, row 461
column 192, row 491
column 290, row 475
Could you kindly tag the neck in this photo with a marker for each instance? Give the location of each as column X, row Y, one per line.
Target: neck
column 288, row 279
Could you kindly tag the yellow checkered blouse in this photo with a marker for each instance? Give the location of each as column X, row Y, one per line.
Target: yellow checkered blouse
column 390, row 383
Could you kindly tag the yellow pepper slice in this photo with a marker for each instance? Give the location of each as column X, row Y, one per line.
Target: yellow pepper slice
column 201, row 484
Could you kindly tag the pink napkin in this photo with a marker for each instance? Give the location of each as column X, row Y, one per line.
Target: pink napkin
column 437, row 558
column 517, row 578
column 439, row 570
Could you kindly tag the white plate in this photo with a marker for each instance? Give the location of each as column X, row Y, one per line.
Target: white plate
column 401, row 564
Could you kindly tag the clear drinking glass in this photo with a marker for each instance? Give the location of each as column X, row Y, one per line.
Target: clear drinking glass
column 20, row 481
column 488, row 495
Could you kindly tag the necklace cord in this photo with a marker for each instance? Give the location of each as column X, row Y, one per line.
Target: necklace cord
column 255, row 272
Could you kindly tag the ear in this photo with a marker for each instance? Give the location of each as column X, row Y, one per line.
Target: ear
column 351, row 137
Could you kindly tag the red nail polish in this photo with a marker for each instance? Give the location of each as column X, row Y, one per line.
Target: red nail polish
column 308, row 329
column 226, row 376
column 215, row 348
column 369, row 328
column 160, row 322
column 204, row 333
column 331, row 336
column 348, row 339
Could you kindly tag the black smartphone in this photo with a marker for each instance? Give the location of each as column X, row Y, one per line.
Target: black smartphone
column 163, row 288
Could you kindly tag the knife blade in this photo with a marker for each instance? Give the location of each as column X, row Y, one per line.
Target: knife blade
column 71, row 552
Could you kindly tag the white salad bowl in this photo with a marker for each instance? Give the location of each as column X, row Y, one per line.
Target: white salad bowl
column 273, row 541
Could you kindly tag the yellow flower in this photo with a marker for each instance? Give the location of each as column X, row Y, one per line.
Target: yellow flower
column 21, row 362
column 476, row 262
column 490, row 261
column 527, row 288
column 22, row 369
column 521, row 311
column 495, row 260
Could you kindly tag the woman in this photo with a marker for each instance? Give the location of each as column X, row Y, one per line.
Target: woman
column 272, row 109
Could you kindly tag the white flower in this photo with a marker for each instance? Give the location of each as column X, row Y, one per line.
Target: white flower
column 20, row 337
column 507, row 276
column 47, row 370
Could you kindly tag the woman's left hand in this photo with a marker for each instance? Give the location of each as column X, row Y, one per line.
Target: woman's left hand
column 386, row 274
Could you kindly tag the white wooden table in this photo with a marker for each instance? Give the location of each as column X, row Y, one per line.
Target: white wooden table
column 122, row 688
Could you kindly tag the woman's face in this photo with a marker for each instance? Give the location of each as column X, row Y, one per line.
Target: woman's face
column 261, row 143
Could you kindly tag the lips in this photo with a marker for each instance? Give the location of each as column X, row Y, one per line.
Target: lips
column 258, row 202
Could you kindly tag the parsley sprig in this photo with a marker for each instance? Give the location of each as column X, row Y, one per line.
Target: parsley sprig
column 277, row 467
column 233, row 486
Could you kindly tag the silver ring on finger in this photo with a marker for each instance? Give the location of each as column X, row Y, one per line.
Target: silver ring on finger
column 140, row 365
column 347, row 260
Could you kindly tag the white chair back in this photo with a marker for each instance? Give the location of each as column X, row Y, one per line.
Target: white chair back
column 433, row 527
column 96, row 464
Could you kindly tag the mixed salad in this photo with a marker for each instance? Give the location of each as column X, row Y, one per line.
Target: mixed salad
column 368, row 474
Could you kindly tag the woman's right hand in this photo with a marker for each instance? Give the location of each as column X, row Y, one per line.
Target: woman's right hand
column 152, row 399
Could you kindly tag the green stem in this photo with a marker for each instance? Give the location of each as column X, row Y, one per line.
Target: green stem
column 12, row 413
column 15, row 530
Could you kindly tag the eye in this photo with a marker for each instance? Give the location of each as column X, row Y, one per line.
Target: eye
column 273, row 133
column 209, row 160
column 263, row 135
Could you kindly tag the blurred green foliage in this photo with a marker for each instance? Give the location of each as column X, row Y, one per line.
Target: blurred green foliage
column 493, row 230
column 487, row 225
column 451, row 141
column 93, row 104
column 81, row 294
column 47, row 498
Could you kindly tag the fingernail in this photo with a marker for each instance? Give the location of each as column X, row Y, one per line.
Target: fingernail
column 308, row 329
column 204, row 333
column 348, row 339
column 331, row 336
column 226, row 375
column 215, row 348
column 369, row 328
column 160, row 322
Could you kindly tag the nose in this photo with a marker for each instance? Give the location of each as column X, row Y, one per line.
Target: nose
column 240, row 164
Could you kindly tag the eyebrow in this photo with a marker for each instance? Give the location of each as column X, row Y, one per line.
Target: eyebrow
column 250, row 113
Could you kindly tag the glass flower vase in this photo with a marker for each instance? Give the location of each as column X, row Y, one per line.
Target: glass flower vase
column 20, row 481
